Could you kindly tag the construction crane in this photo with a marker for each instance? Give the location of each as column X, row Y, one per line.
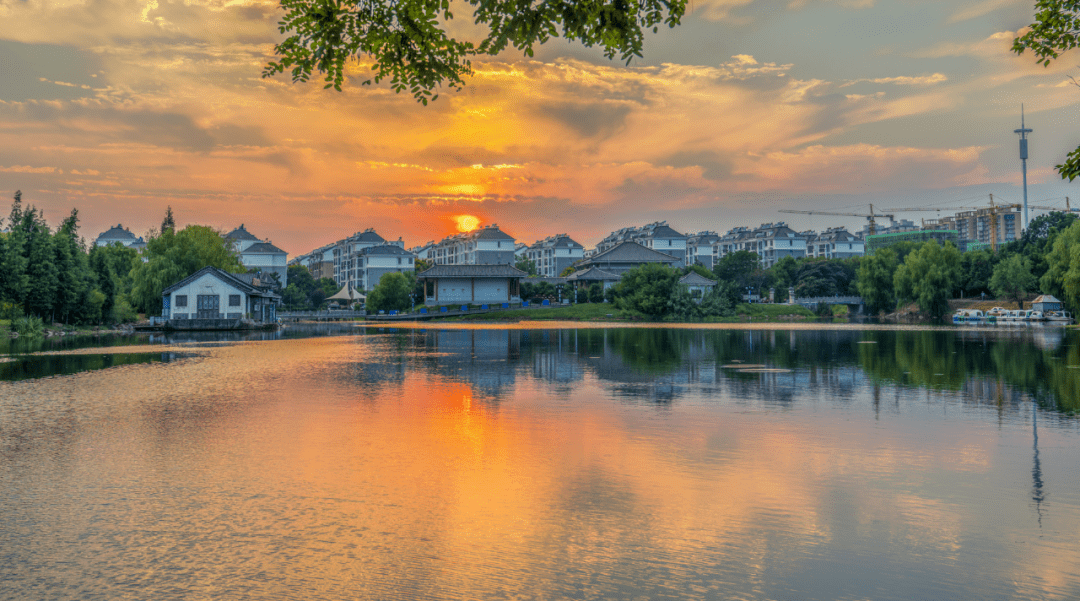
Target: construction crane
column 869, row 217
column 995, row 210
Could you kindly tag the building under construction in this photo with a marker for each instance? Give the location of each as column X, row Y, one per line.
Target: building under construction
column 992, row 225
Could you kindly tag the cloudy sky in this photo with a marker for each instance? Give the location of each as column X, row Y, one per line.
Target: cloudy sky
column 122, row 107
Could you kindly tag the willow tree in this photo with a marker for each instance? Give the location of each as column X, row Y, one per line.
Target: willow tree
column 171, row 257
column 409, row 43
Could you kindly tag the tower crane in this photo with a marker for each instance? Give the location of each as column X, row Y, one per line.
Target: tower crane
column 869, row 217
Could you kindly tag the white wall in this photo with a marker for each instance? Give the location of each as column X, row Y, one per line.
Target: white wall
column 207, row 284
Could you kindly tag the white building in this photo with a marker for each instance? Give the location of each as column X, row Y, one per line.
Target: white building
column 122, row 235
column 376, row 261
column 554, row 254
column 471, row 284
column 213, row 293
column 483, row 246
column 259, row 254
column 835, row 243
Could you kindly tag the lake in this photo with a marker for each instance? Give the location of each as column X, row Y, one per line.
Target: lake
column 544, row 461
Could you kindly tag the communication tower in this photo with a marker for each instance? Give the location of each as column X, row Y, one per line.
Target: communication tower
column 1023, row 131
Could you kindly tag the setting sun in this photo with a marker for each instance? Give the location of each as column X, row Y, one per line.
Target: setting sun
column 466, row 223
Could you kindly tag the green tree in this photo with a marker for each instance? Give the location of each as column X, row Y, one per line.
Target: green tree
column 1062, row 277
column 743, row 270
column 40, row 266
column 875, row 280
column 168, row 223
column 409, row 43
column 1055, row 31
column 391, row 293
column 526, row 265
column 596, row 292
column 647, row 289
column 1013, row 279
column 928, row 277
column 717, row 302
column 74, row 278
column 976, row 269
column 112, row 266
column 13, row 278
column 171, row 257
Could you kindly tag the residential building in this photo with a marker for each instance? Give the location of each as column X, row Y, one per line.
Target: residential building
column 835, row 243
column 770, row 241
column 626, row 256
column 483, row 246
column 260, row 255
column 658, row 236
column 122, row 235
column 699, row 248
column 213, row 293
column 376, row 261
column 894, row 227
column 729, row 243
column 554, row 254
column 471, row 284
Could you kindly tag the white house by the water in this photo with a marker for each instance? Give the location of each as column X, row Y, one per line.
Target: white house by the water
column 213, row 293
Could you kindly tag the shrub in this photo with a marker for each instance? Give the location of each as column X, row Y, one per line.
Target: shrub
column 30, row 325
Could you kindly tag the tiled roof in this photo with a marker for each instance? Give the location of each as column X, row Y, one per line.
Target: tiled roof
column 1046, row 298
column 385, row 249
column 232, row 279
column 592, row 274
column 630, row 252
column 696, row 279
column 117, row 233
column 472, row 271
column 665, row 231
column 492, row 233
column 367, row 236
column 263, row 247
column 240, row 234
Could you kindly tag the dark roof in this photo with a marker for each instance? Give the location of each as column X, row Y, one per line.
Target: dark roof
column 591, row 274
column 664, row 231
column 117, row 233
column 630, row 252
column 263, row 247
column 367, row 236
column 235, row 280
column 492, row 233
column 696, row 279
column 241, row 234
column 384, row 249
column 473, row 271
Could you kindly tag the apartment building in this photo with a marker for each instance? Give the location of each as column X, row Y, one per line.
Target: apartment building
column 554, row 254
column 658, row 236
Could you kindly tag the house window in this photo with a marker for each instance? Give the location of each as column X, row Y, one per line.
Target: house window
column 181, row 300
column 234, row 300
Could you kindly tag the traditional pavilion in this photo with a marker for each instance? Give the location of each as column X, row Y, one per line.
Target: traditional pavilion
column 471, row 284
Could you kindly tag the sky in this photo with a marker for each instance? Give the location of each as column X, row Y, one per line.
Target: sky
column 120, row 108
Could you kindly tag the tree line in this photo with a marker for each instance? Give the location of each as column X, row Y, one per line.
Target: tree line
column 55, row 276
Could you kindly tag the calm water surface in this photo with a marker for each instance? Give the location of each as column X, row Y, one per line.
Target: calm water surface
column 599, row 463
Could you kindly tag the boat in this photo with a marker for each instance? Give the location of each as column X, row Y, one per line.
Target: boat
column 1015, row 315
column 1035, row 316
column 997, row 314
column 1059, row 317
column 968, row 316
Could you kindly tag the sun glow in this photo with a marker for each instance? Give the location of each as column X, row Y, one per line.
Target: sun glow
column 467, row 223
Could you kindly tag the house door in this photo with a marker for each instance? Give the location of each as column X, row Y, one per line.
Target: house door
column 207, row 306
